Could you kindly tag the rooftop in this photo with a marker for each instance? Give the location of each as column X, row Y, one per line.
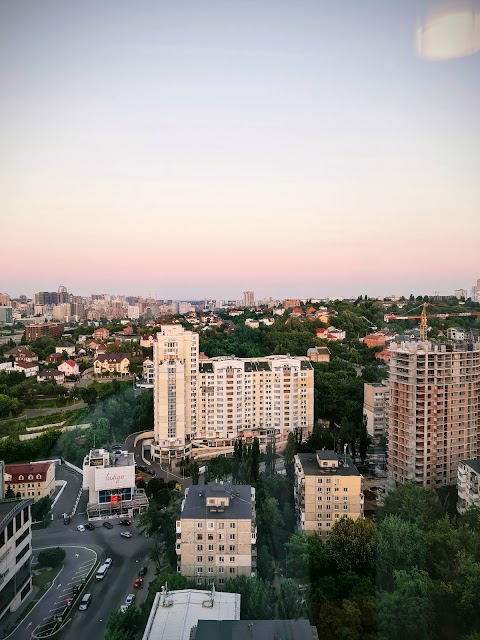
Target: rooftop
column 311, row 467
column 174, row 613
column 254, row 630
column 9, row 508
column 239, row 508
column 473, row 464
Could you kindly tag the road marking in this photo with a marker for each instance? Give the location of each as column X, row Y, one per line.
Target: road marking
column 29, row 624
column 59, row 586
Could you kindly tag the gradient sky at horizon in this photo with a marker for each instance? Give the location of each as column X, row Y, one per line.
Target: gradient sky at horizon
column 206, row 147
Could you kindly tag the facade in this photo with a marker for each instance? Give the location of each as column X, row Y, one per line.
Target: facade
column 248, row 299
column 434, row 411
column 468, row 485
column 101, row 334
column 45, row 298
column 461, row 293
column 34, row 480
column 6, row 315
column 111, row 364
column 147, row 340
column 374, row 340
column 110, row 481
column 67, row 347
column 375, row 408
column 202, row 407
column 456, row 333
column 327, row 487
column 47, row 375
column 30, row 369
column 217, row 533
column 175, row 614
column 42, row 330
column 175, row 358
column 15, row 553
column 290, row 303
column 318, row 354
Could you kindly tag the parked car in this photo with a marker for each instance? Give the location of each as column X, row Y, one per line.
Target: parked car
column 126, row 534
column 129, row 599
column 66, row 520
column 142, row 571
column 126, row 523
column 108, row 562
column 89, row 526
column 108, row 525
column 80, row 527
column 138, row 583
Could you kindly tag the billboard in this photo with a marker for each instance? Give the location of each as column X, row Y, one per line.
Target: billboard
column 115, row 478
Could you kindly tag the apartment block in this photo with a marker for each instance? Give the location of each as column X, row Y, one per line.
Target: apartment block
column 375, row 408
column 217, row 533
column 44, row 329
column 248, row 299
column 433, row 412
column 327, row 487
column 202, row 406
column 468, row 485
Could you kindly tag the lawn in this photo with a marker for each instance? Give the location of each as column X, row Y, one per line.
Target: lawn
column 14, row 427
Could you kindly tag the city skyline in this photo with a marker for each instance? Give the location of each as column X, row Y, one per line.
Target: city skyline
column 202, row 149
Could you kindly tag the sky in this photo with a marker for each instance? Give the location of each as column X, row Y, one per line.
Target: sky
column 202, row 148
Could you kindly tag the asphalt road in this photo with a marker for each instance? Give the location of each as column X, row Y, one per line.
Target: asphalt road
column 34, row 413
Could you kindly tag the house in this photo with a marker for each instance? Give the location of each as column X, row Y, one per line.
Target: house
column 101, row 349
column 67, row 347
column 31, row 480
column 46, row 375
column 147, row 340
column 383, row 355
column 22, row 352
column 101, row 334
column 296, row 312
column 253, row 324
column 28, row 368
column 54, row 358
column 374, row 340
column 267, row 321
column 318, row 354
column 111, row 363
column 69, row 368
column 90, row 345
column 330, row 334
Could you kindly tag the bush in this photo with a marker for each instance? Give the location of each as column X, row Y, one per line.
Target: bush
column 52, row 557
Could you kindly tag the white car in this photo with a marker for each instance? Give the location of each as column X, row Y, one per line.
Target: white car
column 80, row 527
column 129, row 599
column 108, row 562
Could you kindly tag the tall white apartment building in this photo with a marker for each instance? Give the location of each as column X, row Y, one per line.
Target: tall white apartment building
column 248, row 299
column 434, row 411
column 175, row 360
column 209, row 404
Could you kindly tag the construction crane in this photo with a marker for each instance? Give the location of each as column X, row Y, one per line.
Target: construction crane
column 392, row 317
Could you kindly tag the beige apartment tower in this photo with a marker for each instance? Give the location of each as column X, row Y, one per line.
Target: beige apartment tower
column 375, row 408
column 434, row 411
column 217, row 533
column 175, row 362
column 327, row 487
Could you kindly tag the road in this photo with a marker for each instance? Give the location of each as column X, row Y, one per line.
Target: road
column 34, row 413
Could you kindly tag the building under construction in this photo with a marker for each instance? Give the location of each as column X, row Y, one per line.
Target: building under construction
column 433, row 412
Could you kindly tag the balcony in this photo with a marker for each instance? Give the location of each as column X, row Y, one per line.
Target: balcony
column 178, row 526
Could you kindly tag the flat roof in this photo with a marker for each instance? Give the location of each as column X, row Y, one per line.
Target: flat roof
column 253, row 630
column 10, row 508
column 175, row 621
column 239, row 508
column 311, row 467
column 473, row 464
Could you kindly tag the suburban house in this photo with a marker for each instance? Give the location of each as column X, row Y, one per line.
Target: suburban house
column 318, row 354
column 101, row 334
column 147, row 340
column 374, row 340
column 46, row 375
column 54, row 358
column 67, row 347
column 28, row 368
column 69, row 368
column 332, row 333
column 111, row 363
column 31, row 480
column 22, row 352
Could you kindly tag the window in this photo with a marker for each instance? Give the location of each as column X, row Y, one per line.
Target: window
column 232, row 536
column 232, row 525
column 221, row 525
column 210, row 558
column 39, row 476
column 199, row 525
column 221, row 570
column 210, row 525
column 232, row 548
column 199, row 536
column 199, row 569
column 210, row 569
column 210, row 536
column 199, row 558
column 232, row 558
column 232, row 569
column 199, row 547
column 221, row 547
column 221, row 559
column 210, row 547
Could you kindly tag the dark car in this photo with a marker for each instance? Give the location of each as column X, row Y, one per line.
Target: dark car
column 143, row 468
column 108, row 525
column 89, row 526
column 126, row 523
column 142, row 571
column 66, row 520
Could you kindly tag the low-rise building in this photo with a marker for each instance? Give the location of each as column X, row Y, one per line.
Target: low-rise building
column 217, row 533
column 69, row 368
column 375, row 408
column 332, row 333
column 30, row 369
column 468, row 485
column 15, row 553
column 147, row 340
column 456, row 333
column 111, row 363
column 318, row 354
column 47, row 375
column 66, row 347
column 101, row 334
column 31, row 480
column 327, row 487
column 44, row 329
column 110, row 481
column 175, row 614
column 374, row 340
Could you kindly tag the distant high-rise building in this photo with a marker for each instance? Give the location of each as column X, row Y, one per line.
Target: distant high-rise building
column 6, row 315
column 248, row 299
column 433, row 412
column 461, row 293
column 45, row 298
column 375, row 399
column 63, row 295
column 5, row 300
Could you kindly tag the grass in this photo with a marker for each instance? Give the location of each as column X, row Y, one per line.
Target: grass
column 50, row 403
column 42, row 579
column 14, row 427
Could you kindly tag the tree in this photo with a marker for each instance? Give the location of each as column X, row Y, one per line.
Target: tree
column 89, row 395
column 400, row 545
column 256, row 597
column 123, row 625
column 9, row 493
column 363, row 445
column 298, row 555
column 255, row 460
column 52, row 557
column 289, row 454
column 290, row 604
column 412, row 504
column 41, row 508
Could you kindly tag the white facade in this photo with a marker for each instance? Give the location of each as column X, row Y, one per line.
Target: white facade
column 468, row 485
column 133, row 312
column 375, row 408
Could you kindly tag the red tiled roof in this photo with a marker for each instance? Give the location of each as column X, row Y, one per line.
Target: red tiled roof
column 33, row 468
column 72, row 363
column 26, row 365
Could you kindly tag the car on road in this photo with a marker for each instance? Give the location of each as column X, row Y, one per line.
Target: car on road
column 142, row 571
column 138, row 583
column 85, row 603
column 129, row 599
column 80, row 527
column 126, row 523
column 142, row 467
column 108, row 562
column 66, row 520
column 89, row 526
column 126, row 534
column 108, row 525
